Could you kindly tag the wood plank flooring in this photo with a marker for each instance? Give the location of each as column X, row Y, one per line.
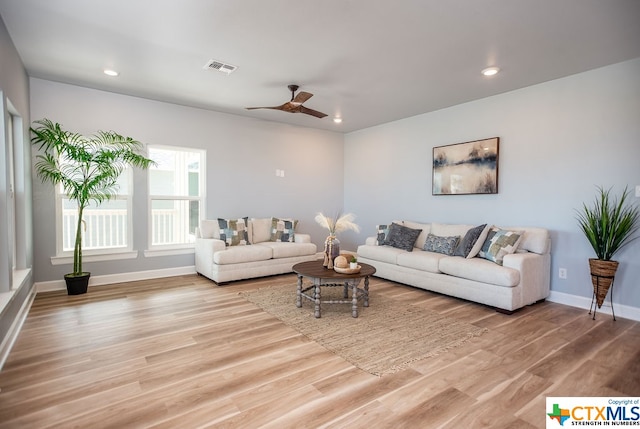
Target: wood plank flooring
column 183, row 352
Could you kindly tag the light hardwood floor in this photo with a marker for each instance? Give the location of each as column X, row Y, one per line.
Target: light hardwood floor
column 184, row 353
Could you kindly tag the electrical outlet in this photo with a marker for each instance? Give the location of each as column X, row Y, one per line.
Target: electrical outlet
column 562, row 273
column 637, row 190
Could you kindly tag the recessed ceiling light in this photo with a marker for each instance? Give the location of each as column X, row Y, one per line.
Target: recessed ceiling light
column 490, row 71
column 337, row 120
column 110, row 72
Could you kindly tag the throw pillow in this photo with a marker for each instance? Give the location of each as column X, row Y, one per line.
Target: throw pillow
column 469, row 240
column 479, row 242
column 234, row 231
column 381, row 233
column 282, row 230
column 402, row 237
column 500, row 242
column 261, row 230
column 444, row 245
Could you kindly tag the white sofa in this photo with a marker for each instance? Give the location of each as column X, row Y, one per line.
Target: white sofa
column 257, row 256
column 522, row 279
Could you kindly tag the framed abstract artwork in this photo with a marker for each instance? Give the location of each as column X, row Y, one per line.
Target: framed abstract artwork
column 466, row 168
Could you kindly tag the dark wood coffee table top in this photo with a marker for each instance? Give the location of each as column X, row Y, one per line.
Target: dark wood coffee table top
column 317, row 270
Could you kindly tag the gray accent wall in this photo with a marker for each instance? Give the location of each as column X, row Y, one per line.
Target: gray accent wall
column 558, row 141
column 242, row 157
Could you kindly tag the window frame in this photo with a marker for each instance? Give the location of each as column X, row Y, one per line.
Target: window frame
column 63, row 256
column 162, row 249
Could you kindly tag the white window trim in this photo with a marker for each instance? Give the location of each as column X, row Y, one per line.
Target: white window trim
column 100, row 254
column 96, row 257
column 180, row 248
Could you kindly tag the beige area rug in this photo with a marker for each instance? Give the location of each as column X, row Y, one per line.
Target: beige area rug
column 385, row 338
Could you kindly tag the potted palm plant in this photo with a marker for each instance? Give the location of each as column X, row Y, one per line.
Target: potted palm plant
column 609, row 225
column 87, row 168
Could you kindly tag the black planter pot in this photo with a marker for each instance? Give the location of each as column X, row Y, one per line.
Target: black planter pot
column 77, row 285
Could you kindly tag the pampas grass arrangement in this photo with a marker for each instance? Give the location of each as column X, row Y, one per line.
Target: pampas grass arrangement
column 338, row 223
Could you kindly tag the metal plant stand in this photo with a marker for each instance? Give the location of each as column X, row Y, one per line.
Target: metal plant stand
column 595, row 294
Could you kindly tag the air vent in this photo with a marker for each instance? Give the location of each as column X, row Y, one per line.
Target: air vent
column 220, row 66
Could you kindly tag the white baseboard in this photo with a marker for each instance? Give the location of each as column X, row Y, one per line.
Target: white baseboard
column 621, row 310
column 16, row 326
column 119, row 278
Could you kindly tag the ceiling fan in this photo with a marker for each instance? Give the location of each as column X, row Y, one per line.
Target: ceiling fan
column 295, row 105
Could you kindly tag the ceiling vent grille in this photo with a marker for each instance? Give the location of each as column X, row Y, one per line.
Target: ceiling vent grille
column 220, row 66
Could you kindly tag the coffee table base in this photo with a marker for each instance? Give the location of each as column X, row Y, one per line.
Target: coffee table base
column 313, row 293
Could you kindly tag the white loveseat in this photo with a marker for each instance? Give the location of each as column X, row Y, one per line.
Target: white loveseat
column 522, row 278
column 263, row 251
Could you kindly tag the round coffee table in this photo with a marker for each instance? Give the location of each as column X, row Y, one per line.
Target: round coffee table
column 323, row 277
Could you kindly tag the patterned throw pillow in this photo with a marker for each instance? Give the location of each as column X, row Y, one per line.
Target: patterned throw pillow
column 381, row 234
column 234, row 232
column 469, row 240
column 444, row 245
column 500, row 242
column 282, row 230
column 402, row 237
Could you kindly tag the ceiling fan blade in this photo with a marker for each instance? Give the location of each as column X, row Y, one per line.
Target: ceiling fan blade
column 295, row 105
column 282, row 107
column 312, row 112
column 302, row 97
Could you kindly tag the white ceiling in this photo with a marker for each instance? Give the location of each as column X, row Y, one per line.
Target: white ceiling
column 368, row 61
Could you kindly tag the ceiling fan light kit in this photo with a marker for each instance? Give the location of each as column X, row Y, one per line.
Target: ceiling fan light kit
column 295, row 104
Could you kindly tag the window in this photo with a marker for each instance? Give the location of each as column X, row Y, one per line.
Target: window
column 106, row 227
column 176, row 189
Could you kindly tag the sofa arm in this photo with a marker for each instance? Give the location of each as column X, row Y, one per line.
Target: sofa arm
column 204, row 250
column 302, row 238
column 535, row 274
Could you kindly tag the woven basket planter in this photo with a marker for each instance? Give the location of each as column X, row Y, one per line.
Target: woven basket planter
column 602, row 275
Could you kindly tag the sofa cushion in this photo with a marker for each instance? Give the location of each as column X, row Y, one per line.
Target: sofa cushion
column 480, row 270
column 444, row 245
column 469, row 240
column 386, row 254
column 422, row 238
column 381, row 234
column 234, row 231
column 423, row 261
column 535, row 240
column 402, row 237
column 209, row 229
column 448, row 230
column 287, row 250
column 260, row 229
column 283, row 230
column 500, row 242
column 240, row 254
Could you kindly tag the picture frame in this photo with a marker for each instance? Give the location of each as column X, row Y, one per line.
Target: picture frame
column 466, row 168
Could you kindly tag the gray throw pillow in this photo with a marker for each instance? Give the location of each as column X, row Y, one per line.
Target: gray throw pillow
column 470, row 238
column 381, row 234
column 402, row 237
column 444, row 245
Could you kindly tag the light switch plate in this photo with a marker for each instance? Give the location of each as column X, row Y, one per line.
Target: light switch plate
column 637, row 190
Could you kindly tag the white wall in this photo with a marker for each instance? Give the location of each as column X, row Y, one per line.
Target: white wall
column 558, row 140
column 242, row 157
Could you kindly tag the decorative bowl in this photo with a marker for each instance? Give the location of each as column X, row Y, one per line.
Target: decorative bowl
column 347, row 270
